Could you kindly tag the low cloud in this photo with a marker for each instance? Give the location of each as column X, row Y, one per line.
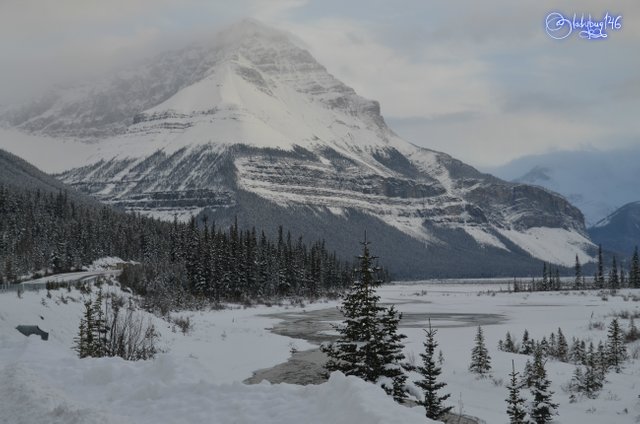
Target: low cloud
column 479, row 80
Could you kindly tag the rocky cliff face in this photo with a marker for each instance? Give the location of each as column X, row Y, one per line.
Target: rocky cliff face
column 252, row 126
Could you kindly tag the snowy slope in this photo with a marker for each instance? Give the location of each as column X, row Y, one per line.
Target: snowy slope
column 44, row 382
column 253, row 114
column 197, row 379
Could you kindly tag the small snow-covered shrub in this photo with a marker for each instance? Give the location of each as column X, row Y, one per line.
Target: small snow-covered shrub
column 596, row 325
column 183, row 323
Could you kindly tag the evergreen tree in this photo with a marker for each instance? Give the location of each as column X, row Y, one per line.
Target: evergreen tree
column 577, row 353
column 562, row 349
column 85, row 343
column 600, row 271
column 509, row 345
column 633, row 333
column 515, row 402
column 601, row 361
column 614, row 280
column 545, row 278
column 542, row 408
column 480, row 359
column 617, row 351
column 553, row 345
column 99, row 335
column 526, row 347
column 390, row 349
column 527, row 375
column 577, row 284
column 557, row 283
column 634, row 273
column 429, row 383
column 369, row 346
column 590, row 381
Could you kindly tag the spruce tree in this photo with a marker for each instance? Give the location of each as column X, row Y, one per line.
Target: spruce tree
column 592, row 378
column 527, row 375
column 614, row 280
column 542, row 408
column 617, row 351
column 389, row 347
column 600, row 271
column 526, row 347
column 577, row 353
column 369, row 346
column 515, row 402
column 85, row 344
column 633, row 333
column 99, row 327
column 429, row 383
column 509, row 345
column 634, row 274
column 562, row 349
column 577, row 285
column 480, row 359
column 545, row 278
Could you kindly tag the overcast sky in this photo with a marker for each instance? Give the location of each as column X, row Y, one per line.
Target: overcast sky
column 480, row 80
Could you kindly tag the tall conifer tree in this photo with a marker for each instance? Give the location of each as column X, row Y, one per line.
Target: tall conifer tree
column 429, row 371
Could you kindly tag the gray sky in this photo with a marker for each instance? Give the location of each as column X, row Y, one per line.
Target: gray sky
column 480, row 80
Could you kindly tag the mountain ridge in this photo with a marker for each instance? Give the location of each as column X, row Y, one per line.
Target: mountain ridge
column 267, row 123
column 620, row 231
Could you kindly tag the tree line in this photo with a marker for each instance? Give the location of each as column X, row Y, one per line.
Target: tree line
column 50, row 233
column 613, row 278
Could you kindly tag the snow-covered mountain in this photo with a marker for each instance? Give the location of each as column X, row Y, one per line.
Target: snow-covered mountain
column 597, row 182
column 251, row 126
column 620, row 231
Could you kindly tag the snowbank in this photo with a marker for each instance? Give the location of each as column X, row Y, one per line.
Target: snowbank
column 44, row 382
column 41, row 382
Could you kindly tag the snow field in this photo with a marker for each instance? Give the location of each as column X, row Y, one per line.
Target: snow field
column 541, row 314
column 197, row 380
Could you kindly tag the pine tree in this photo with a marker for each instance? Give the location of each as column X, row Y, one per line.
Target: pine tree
column 617, row 351
column 80, row 341
column 390, row 349
column 634, row 274
column 509, row 345
column 600, row 271
column 526, row 347
column 515, row 403
column 601, row 361
column 577, row 353
column 542, row 408
column 480, row 359
column 429, row 384
column 527, row 375
column 369, row 346
column 576, row 384
column 553, row 346
column 577, row 285
column 85, row 342
column 593, row 375
column 545, row 278
column 633, row 333
column 99, row 335
column 562, row 349
column 614, row 280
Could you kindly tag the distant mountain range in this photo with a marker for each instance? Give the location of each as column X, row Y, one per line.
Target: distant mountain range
column 597, row 182
column 620, row 231
column 251, row 126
